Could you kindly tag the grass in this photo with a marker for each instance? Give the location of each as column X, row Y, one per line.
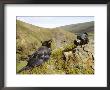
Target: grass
column 56, row 65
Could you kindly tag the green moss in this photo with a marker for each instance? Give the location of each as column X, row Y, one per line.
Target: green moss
column 88, row 71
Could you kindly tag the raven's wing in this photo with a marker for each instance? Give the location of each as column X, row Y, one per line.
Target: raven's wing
column 43, row 49
column 44, row 53
column 41, row 55
column 39, row 52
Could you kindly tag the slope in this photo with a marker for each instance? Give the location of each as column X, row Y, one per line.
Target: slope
column 80, row 27
column 29, row 37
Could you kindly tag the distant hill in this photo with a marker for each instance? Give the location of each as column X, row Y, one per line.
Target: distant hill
column 80, row 27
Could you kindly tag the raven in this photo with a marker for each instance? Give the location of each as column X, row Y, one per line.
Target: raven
column 41, row 55
column 82, row 39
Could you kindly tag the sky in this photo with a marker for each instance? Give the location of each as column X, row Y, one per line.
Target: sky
column 54, row 21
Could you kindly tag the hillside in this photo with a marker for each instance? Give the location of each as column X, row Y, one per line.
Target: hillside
column 28, row 40
column 80, row 27
column 28, row 34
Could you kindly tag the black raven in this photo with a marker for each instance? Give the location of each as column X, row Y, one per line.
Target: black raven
column 41, row 55
column 82, row 39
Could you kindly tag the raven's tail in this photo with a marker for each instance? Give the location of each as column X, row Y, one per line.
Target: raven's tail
column 24, row 68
